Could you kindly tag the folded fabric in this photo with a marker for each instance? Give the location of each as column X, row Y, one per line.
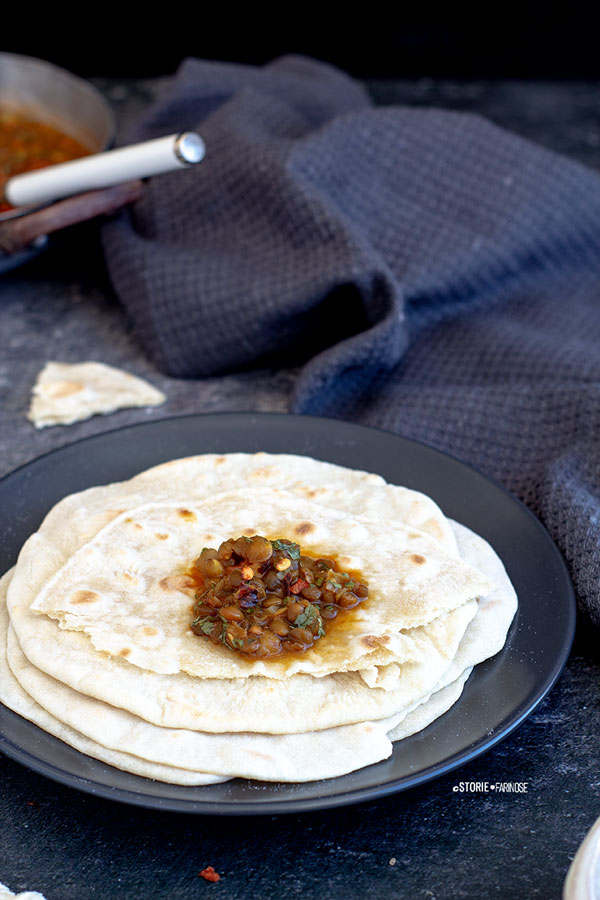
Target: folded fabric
column 233, row 260
column 434, row 274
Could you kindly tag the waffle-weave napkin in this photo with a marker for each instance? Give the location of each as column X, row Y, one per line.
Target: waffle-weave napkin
column 430, row 272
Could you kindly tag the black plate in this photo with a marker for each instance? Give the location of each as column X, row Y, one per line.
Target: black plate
column 500, row 694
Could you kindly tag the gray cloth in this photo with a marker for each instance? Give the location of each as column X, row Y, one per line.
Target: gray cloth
column 434, row 274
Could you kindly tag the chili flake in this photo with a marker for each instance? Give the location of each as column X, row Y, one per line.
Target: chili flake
column 209, row 874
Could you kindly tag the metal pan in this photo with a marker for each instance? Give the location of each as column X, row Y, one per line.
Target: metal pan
column 49, row 94
column 93, row 185
column 96, row 184
column 56, row 97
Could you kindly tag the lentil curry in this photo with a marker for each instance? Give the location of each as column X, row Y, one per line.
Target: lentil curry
column 262, row 597
column 26, row 145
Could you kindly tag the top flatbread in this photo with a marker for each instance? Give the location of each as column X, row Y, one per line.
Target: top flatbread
column 117, row 587
column 79, row 517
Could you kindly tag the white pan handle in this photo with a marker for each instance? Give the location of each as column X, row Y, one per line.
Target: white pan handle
column 105, row 169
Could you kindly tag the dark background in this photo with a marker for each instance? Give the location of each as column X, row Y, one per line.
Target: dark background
column 493, row 40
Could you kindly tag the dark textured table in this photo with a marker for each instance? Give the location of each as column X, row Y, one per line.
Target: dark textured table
column 430, row 842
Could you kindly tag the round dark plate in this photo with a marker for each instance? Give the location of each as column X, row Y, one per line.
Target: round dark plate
column 500, row 694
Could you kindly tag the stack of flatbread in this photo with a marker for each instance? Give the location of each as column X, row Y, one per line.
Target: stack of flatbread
column 98, row 651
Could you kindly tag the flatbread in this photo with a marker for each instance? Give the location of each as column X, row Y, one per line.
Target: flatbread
column 117, row 587
column 62, row 666
column 70, row 392
column 6, row 894
column 78, row 517
column 186, row 757
column 217, row 705
column 16, row 698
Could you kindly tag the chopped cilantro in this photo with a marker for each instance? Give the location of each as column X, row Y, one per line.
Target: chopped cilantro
column 307, row 616
column 291, row 550
column 205, row 624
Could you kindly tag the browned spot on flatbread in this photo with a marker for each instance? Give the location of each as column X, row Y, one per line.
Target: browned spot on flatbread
column 370, row 641
column 85, row 597
column 187, row 514
column 149, row 630
column 434, row 527
column 176, row 583
column 262, row 473
column 304, row 528
column 220, row 460
column 161, row 537
column 129, row 521
column 417, row 559
column 125, row 651
column 59, row 389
